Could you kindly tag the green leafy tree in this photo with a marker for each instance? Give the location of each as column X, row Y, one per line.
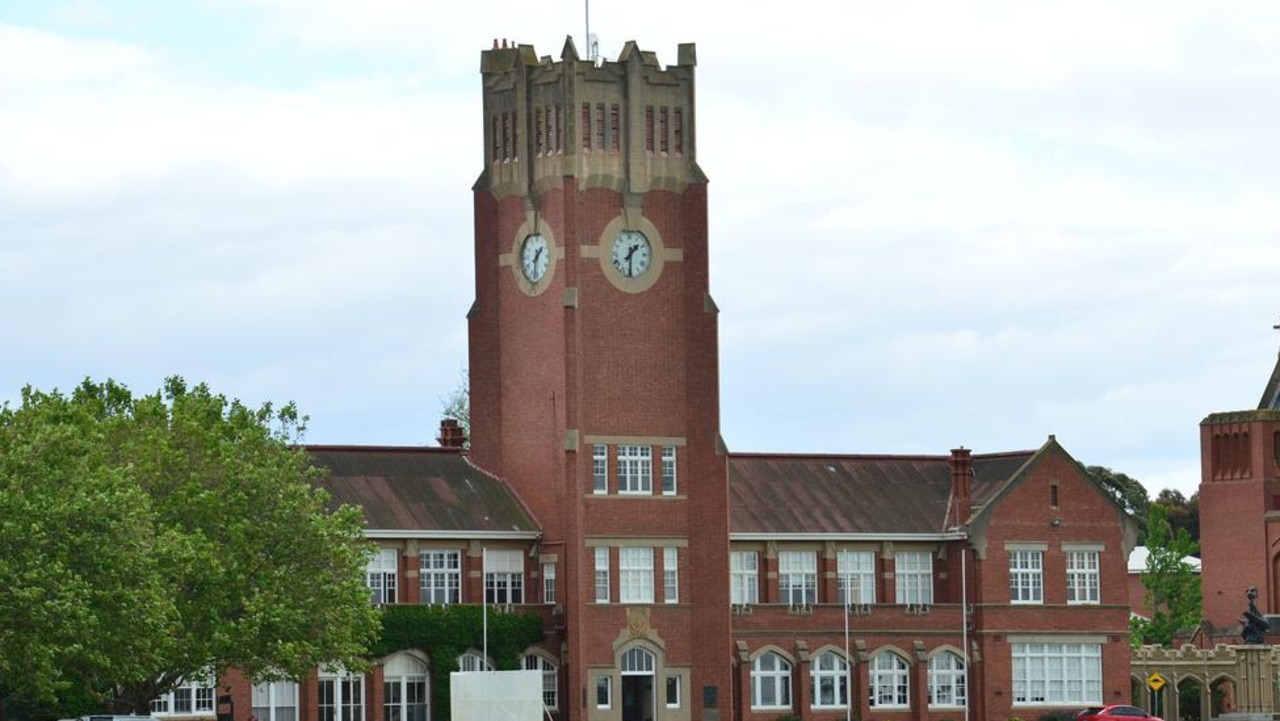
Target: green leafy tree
column 457, row 405
column 1173, row 594
column 155, row 538
column 1127, row 491
column 1182, row 512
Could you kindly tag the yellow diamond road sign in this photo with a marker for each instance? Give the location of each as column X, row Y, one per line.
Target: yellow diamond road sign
column 1155, row 681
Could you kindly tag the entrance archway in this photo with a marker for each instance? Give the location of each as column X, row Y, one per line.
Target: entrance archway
column 638, row 687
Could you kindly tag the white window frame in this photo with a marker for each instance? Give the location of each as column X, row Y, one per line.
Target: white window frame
column 890, row 681
column 948, row 680
column 744, row 577
column 550, row 678
column 473, row 661
column 503, row 576
column 1056, row 674
column 1084, row 578
column 798, row 577
column 602, row 574
column 635, row 574
column 196, row 697
column 913, row 578
column 274, row 701
column 673, row 693
column 347, row 694
column 670, row 575
column 600, row 469
column 604, row 692
column 549, row 583
column 1026, row 576
column 856, row 577
column 829, row 671
column 770, row 675
column 635, row 470
column 406, row 689
column 669, row 485
column 440, row 576
column 382, row 574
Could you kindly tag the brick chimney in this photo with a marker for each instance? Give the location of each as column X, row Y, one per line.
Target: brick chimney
column 961, row 487
column 451, row 434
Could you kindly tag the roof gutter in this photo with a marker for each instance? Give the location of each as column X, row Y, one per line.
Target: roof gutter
column 393, row 533
column 948, row 536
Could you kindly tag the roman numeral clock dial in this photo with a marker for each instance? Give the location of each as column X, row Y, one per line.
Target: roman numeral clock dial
column 632, row 253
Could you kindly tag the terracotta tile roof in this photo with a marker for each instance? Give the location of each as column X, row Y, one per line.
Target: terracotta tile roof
column 803, row 494
column 421, row 489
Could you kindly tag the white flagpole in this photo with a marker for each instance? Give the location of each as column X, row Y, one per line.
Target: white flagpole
column 484, row 572
column 848, row 662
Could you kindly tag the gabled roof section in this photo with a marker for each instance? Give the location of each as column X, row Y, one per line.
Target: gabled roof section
column 1271, row 394
column 855, row 495
column 421, row 491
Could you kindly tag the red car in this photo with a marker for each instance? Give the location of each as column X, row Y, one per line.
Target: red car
column 1115, row 712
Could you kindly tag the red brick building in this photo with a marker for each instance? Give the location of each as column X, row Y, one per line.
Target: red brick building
column 1240, row 509
column 679, row 580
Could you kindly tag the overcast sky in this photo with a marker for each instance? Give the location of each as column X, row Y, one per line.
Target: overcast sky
column 933, row 224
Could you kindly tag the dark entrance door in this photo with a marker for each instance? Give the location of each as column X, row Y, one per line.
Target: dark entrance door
column 637, row 698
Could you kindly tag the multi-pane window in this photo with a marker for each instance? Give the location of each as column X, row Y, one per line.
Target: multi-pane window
column 537, row 131
column 673, row 692
column 440, row 575
column 193, row 696
column 585, row 130
column 1057, row 673
column 744, row 577
column 472, row 661
column 798, row 577
column 770, row 682
column 604, row 691
column 600, row 468
column 635, row 575
column 1082, row 577
column 678, row 130
column 670, row 575
column 404, row 689
column 889, row 681
column 668, row 470
column 381, row 575
column 548, row 583
column 946, row 680
column 341, row 697
column 602, row 574
column 913, row 571
column 1026, row 576
column 856, row 576
column 829, row 681
column 600, row 139
column 504, row 576
column 550, row 685
column 275, row 701
column 635, row 469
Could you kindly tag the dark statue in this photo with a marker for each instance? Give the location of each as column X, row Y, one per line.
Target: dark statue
column 1255, row 626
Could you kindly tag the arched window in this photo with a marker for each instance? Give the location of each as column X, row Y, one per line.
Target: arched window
column 275, row 701
column 473, row 661
column 341, row 695
column 550, row 682
column 829, row 680
column 889, row 681
column 637, row 661
column 770, row 682
column 406, row 689
column 946, row 680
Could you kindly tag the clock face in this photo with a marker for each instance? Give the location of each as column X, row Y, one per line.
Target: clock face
column 534, row 256
column 631, row 253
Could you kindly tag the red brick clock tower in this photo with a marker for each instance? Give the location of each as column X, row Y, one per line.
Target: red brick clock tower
column 594, row 370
